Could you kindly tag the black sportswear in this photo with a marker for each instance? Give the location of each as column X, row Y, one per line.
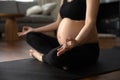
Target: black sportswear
column 81, row 55
column 74, row 10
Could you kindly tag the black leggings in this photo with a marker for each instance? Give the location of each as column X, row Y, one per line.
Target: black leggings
column 79, row 56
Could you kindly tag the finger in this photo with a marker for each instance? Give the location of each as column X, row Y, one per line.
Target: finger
column 59, row 48
column 19, row 34
column 25, row 28
column 62, row 49
column 60, row 52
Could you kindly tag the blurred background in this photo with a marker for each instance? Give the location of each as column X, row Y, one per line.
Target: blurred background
column 108, row 18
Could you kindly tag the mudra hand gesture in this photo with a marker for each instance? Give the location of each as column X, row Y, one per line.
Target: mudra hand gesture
column 69, row 44
column 25, row 30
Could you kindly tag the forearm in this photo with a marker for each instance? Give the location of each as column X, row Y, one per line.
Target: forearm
column 50, row 27
column 85, row 33
column 92, row 7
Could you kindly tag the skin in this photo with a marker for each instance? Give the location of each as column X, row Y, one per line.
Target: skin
column 70, row 33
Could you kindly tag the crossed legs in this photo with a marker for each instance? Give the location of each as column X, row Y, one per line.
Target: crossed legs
column 45, row 49
column 41, row 44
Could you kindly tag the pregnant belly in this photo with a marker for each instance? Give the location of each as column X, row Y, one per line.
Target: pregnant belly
column 68, row 29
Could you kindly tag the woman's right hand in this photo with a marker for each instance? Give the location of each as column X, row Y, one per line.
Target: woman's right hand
column 25, row 30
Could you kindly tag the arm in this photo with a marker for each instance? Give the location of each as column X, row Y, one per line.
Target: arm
column 90, row 21
column 50, row 27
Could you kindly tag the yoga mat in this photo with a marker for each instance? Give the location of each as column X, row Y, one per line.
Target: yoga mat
column 109, row 61
column 30, row 69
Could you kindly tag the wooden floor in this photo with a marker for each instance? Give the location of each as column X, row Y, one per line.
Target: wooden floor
column 19, row 50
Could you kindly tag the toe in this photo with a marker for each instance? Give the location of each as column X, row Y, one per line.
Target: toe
column 30, row 52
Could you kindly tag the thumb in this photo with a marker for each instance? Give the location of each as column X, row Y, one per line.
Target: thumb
column 19, row 33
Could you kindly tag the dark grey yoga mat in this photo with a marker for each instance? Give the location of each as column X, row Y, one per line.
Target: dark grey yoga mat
column 30, row 69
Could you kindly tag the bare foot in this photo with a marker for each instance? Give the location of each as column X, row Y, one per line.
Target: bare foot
column 37, row 55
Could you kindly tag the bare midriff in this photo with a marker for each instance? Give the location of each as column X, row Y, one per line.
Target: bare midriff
column 70, row 29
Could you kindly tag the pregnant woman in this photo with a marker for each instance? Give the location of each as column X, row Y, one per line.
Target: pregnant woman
column 76, row 43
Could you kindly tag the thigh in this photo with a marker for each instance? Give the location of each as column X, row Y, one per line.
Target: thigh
column 76, row 57
column 41, row 42
column 81, row 55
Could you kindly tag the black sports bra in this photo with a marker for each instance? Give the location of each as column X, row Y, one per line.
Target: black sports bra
column 74, row 10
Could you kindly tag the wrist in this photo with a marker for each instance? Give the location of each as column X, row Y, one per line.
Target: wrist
column 33, row 30
column 74, row 43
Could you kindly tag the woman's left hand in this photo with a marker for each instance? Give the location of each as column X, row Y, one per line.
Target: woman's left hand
column 69, row 44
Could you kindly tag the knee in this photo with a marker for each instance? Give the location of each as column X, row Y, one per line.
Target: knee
column 34, row 36
column 29, row 36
